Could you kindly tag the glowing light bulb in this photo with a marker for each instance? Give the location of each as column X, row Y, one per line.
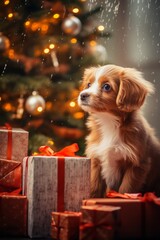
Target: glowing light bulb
column 46, row 50
column 101, row 28
column 51, row 46
column 27, row 23
column 10, row 15
column 72, row 104
column 6, row 2
column 74, row 40
column 75, row 10
column 56, row 16
column 92, row 43
column 39, row 109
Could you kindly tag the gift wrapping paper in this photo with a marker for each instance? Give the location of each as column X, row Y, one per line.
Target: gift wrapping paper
column 53, row 184
column 13, row 216
column 10, row 175
column 99, row 222
column 65, row 225
column 13, row 144
column 132, row 215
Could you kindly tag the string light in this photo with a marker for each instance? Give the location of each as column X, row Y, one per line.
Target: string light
column 11, row 54
column 46, row 50
column 51, row 46
column 74, row 40
column 72, row 104
column 44, row 28
column 27, row 23
column 10, row 15
column 92, row 43
column 75, row 10
column 6, row 2
column 101, row 28
column 39, row 109
column 56, row 16
column 78, row 115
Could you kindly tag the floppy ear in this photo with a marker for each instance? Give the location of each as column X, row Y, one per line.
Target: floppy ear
column 133, row 90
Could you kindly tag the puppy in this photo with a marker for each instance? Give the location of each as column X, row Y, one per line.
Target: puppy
column 124, row 151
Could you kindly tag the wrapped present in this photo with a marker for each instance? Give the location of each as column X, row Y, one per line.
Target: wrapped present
column 152, row 216
column 10, row 175
column 13, row 144
column 132, row 215
column 53, row 183
column 99, row 222
column 13, row 215
column 65, row 225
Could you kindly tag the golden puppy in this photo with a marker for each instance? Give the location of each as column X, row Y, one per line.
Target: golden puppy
column 124, row 151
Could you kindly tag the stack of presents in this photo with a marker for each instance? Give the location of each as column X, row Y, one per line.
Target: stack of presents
column 47, row 196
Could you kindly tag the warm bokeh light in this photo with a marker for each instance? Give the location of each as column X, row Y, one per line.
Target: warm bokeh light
column 10, row 15
column 39, row 109
column 56, row 16
column 101, row 28
column 46, row 50
column 6, row 2
column 50, row 142
column 34, row 26
column 7, row 107
column 75, row 10
column 78, row 115
column 72, row 104
column 93, row 43
column 74, row 40
column 44, row 28
column 51, row 46
column 27, row 23
column 11, row 54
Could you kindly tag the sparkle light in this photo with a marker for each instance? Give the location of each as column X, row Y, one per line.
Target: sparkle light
column 27, row 23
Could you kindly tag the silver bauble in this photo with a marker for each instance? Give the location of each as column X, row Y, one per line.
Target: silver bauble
column 99, row 52
column 35, row 104
column 72, row 25
column 4, row 42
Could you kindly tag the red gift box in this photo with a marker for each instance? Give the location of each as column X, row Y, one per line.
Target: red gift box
column 99, row 222
column 10, row 175
column 13, row 215
column 65, row 225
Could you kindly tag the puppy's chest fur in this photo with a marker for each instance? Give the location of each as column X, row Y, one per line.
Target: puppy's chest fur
column 105, row 144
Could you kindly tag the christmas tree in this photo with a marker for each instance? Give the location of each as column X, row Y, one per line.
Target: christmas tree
column 45, row 47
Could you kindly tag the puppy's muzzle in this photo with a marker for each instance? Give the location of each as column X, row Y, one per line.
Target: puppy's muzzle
column 84, row 96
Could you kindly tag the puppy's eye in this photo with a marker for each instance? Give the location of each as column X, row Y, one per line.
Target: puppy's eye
column 106, row 87
column 88, row 85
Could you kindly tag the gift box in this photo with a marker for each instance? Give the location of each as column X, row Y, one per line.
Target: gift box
column 13, row 144
column 13, row 216
column 10, row 175
column 53, row 184
column 132, row 215
column 65, row 225
column 99, row 222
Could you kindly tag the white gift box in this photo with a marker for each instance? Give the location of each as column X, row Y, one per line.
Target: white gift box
column 53, row 184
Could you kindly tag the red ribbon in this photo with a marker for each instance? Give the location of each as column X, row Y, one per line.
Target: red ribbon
column 9, row 144
column 68, row 151
column 147, row 197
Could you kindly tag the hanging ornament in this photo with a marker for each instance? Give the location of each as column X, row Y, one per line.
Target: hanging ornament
column 4, row 42
column 71, row 25
column 35, row 104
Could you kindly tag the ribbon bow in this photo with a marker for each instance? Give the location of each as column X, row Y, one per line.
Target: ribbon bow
column 68, row 151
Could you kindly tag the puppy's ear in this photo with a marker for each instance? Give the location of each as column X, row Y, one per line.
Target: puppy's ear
column 133, row 90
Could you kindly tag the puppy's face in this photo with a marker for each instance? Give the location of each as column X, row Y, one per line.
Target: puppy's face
column 113, row 89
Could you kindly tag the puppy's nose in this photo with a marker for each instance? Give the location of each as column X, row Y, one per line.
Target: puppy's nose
column 84, row 96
